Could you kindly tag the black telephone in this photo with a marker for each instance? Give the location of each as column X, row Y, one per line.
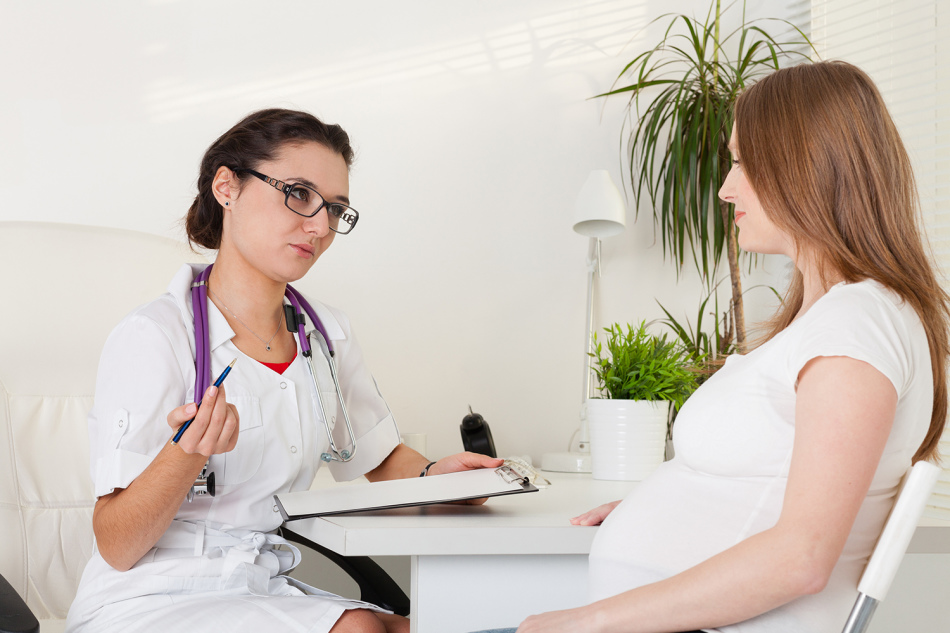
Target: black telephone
column 476, row 436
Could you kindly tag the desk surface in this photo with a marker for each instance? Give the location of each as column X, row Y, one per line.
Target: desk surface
column 534, row 523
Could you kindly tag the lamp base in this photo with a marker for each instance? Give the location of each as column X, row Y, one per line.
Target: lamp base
column 566, row 462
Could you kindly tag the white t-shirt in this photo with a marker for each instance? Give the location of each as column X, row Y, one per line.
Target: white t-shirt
column 215, row 564
column 733, row 442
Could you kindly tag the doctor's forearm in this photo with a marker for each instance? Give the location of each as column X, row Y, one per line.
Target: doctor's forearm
column 402, row 463
column 128, row 522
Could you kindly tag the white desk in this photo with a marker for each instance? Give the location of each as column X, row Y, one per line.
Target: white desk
column 481, row 566
column 489, row 566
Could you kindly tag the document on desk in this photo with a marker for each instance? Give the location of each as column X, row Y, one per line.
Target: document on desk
column 403, row 493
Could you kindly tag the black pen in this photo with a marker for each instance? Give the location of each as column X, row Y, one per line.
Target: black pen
column 217, row 383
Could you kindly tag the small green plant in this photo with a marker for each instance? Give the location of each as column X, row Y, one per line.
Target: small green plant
column 640, row 366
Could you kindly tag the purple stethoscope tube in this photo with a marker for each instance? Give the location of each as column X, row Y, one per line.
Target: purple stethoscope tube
column 199, row 304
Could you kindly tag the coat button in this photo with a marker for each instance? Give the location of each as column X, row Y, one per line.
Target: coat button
column 283, row 385
column 293, row 449
column 275, row 508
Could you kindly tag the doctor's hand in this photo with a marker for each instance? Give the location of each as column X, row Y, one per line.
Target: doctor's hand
column 595, row 516
column 215, row 428
column 465, row 461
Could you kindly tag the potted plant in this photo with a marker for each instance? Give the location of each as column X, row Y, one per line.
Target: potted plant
column 640, row 377
column 682, row 92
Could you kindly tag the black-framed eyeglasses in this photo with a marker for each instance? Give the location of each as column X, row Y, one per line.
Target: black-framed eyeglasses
column 306, row 201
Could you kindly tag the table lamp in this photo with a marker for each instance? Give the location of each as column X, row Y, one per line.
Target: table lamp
column 598, row 213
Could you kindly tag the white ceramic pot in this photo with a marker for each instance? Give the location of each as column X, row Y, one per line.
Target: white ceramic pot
column 627, row 437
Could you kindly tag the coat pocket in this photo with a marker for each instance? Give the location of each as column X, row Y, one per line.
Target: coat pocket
column 245, row 460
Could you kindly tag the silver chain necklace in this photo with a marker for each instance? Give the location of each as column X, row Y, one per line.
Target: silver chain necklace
column 280, row 319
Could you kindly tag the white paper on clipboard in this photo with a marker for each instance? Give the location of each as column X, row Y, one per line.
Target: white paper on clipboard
column 401, row 493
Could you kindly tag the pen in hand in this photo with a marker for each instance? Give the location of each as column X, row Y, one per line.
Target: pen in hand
column 217, row 383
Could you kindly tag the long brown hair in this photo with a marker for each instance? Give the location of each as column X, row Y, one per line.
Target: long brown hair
column 825, row 159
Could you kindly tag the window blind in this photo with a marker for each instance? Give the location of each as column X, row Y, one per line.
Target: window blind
column 904, row 45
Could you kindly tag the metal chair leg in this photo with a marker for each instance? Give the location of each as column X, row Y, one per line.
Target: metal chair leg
column 861, row 614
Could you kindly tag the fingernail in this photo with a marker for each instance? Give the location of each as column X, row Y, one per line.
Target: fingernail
column 212, row 391
column 191, row 409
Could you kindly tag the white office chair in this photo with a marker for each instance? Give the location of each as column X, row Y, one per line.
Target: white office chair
column 63, row 288
column 882, row 567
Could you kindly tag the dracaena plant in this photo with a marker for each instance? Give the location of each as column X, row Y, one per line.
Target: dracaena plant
column 704, row 347
column 681, row 98
column 707, row 348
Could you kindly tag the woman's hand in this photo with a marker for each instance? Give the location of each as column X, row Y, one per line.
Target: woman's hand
column 569, row 621
column 215, row 428
column 595, row 516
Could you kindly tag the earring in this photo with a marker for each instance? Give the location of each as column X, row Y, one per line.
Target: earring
column 227, row 204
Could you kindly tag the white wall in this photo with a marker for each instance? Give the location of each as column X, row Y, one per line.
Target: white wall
column 474, row 133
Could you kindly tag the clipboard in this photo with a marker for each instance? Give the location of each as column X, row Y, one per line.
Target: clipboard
column 403, row 493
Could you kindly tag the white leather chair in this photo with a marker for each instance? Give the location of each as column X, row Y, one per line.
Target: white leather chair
column 63, row 288
column 918, row 484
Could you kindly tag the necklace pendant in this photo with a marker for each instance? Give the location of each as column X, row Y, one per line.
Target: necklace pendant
column 268, row 348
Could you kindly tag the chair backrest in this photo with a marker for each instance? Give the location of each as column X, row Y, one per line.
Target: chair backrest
column 917, row 486
column 63, row 288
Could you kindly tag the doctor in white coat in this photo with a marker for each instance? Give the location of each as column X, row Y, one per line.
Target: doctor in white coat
column 273, row 192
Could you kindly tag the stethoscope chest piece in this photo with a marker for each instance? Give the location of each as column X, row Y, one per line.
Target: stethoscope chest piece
column 327, row 457
column 203, row 486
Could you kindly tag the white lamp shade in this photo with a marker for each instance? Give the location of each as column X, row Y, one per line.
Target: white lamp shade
column 599, row 211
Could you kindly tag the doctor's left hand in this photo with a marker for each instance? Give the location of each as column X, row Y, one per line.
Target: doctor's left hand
column 465, row 461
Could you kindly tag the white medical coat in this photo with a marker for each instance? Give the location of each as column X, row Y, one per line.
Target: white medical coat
column 215, row 567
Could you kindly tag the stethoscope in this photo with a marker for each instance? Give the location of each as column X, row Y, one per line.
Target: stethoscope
column 296, row 322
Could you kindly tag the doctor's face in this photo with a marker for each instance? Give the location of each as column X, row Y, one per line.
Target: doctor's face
column 757, row 233
column 269, row 236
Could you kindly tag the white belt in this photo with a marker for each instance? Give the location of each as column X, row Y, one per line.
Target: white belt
column 243, row 546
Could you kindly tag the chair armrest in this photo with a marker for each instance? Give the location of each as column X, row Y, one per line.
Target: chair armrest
column 15, row 616
column 376, row 586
